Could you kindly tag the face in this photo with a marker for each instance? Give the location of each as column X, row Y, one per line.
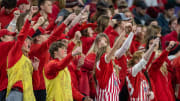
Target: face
column 47, row 7
column 7, row 38
column 102, row 42
column 45, row 25
column 62, row 52
column 173, row 25
column 23, row 7
column 122, row 9
column 26, row 46
column 141, row 11
column 129, row 15
column 170, row 12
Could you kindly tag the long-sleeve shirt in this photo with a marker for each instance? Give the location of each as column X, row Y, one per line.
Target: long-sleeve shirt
column 163, row 84
column 53, row 68
column 15, row 53
column 5, row 48
column 41, row 52
column 125, row 46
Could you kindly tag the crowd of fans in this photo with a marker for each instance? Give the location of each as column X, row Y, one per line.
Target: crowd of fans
column 89, row 50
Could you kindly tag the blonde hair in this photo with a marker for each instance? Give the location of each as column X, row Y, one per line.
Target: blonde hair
column 94, row 47
column 136, row 55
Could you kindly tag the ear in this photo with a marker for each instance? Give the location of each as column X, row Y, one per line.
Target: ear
column 55, row 54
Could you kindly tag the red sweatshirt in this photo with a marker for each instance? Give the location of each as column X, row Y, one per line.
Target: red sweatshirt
column 5, row 19
column 173, row 36
column 5, row 47
column 104, row 72
column 15, row 53
column 134, row 45
column 52, row 69
column 41, row 52
column 87, row 84
column 163, row 84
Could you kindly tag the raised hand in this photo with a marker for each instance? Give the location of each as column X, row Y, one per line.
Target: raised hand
column 69, row 18
column 40, row 20
column 35, row 63
column 77, row 51
column 171, row 45
column 16, row 14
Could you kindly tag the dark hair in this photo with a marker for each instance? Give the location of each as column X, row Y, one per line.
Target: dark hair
column 102, row 23
column 9, row 4
column 55, row 46
column 148, row 41
column 41, row 2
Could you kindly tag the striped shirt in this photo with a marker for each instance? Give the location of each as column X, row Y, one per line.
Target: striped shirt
column 111, row 92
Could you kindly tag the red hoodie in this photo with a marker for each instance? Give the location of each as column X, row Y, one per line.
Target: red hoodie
column 15, row 53
column 163, row 84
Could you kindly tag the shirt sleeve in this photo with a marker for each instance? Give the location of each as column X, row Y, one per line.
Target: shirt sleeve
column 53, row 67
column 138, row 67
column 125, row 46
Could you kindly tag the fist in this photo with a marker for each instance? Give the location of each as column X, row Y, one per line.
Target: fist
column 77, row 35
column 40, row 20
column 16, row 14
column 171, row 45
column 71, row 17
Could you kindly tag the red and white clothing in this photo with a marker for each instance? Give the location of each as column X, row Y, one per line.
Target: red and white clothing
column 137, row 84
column 107, row 82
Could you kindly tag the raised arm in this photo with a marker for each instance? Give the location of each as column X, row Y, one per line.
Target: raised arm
column 12, row 25
column 113, row 50
column 142, row 64
column 125, row 46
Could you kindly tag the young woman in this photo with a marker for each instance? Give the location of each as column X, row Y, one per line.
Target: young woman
column 161, row 73
column 137, row 83
column 107, row 81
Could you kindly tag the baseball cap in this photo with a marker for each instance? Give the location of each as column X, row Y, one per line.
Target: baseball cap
column 121, row 17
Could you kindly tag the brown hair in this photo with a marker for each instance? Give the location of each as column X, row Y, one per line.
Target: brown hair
column 102, row 23
column 152, row 30
column 136, row 55
column 55, row 46
column 20, row 21
column 62, row 3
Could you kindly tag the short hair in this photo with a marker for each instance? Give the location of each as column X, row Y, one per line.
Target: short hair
column 55, row 46
column 9, row 4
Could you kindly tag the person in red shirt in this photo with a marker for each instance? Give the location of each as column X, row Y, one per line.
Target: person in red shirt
column 138, row 87
column 6, row 42
column 39, row 49
column 173, row 36
column 7, row 12
column 58, row 66
column 161, row 73
column 20, row 70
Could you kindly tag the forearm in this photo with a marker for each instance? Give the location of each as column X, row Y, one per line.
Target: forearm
column 113, row 50
column 147, row 55
column 125, row 46
column 138, row 67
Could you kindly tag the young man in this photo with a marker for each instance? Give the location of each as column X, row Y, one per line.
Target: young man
column 40, row 48
column 57, row 76
column 6, row 42
column 164, row 18
column 20, row 69
column 7, row 13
